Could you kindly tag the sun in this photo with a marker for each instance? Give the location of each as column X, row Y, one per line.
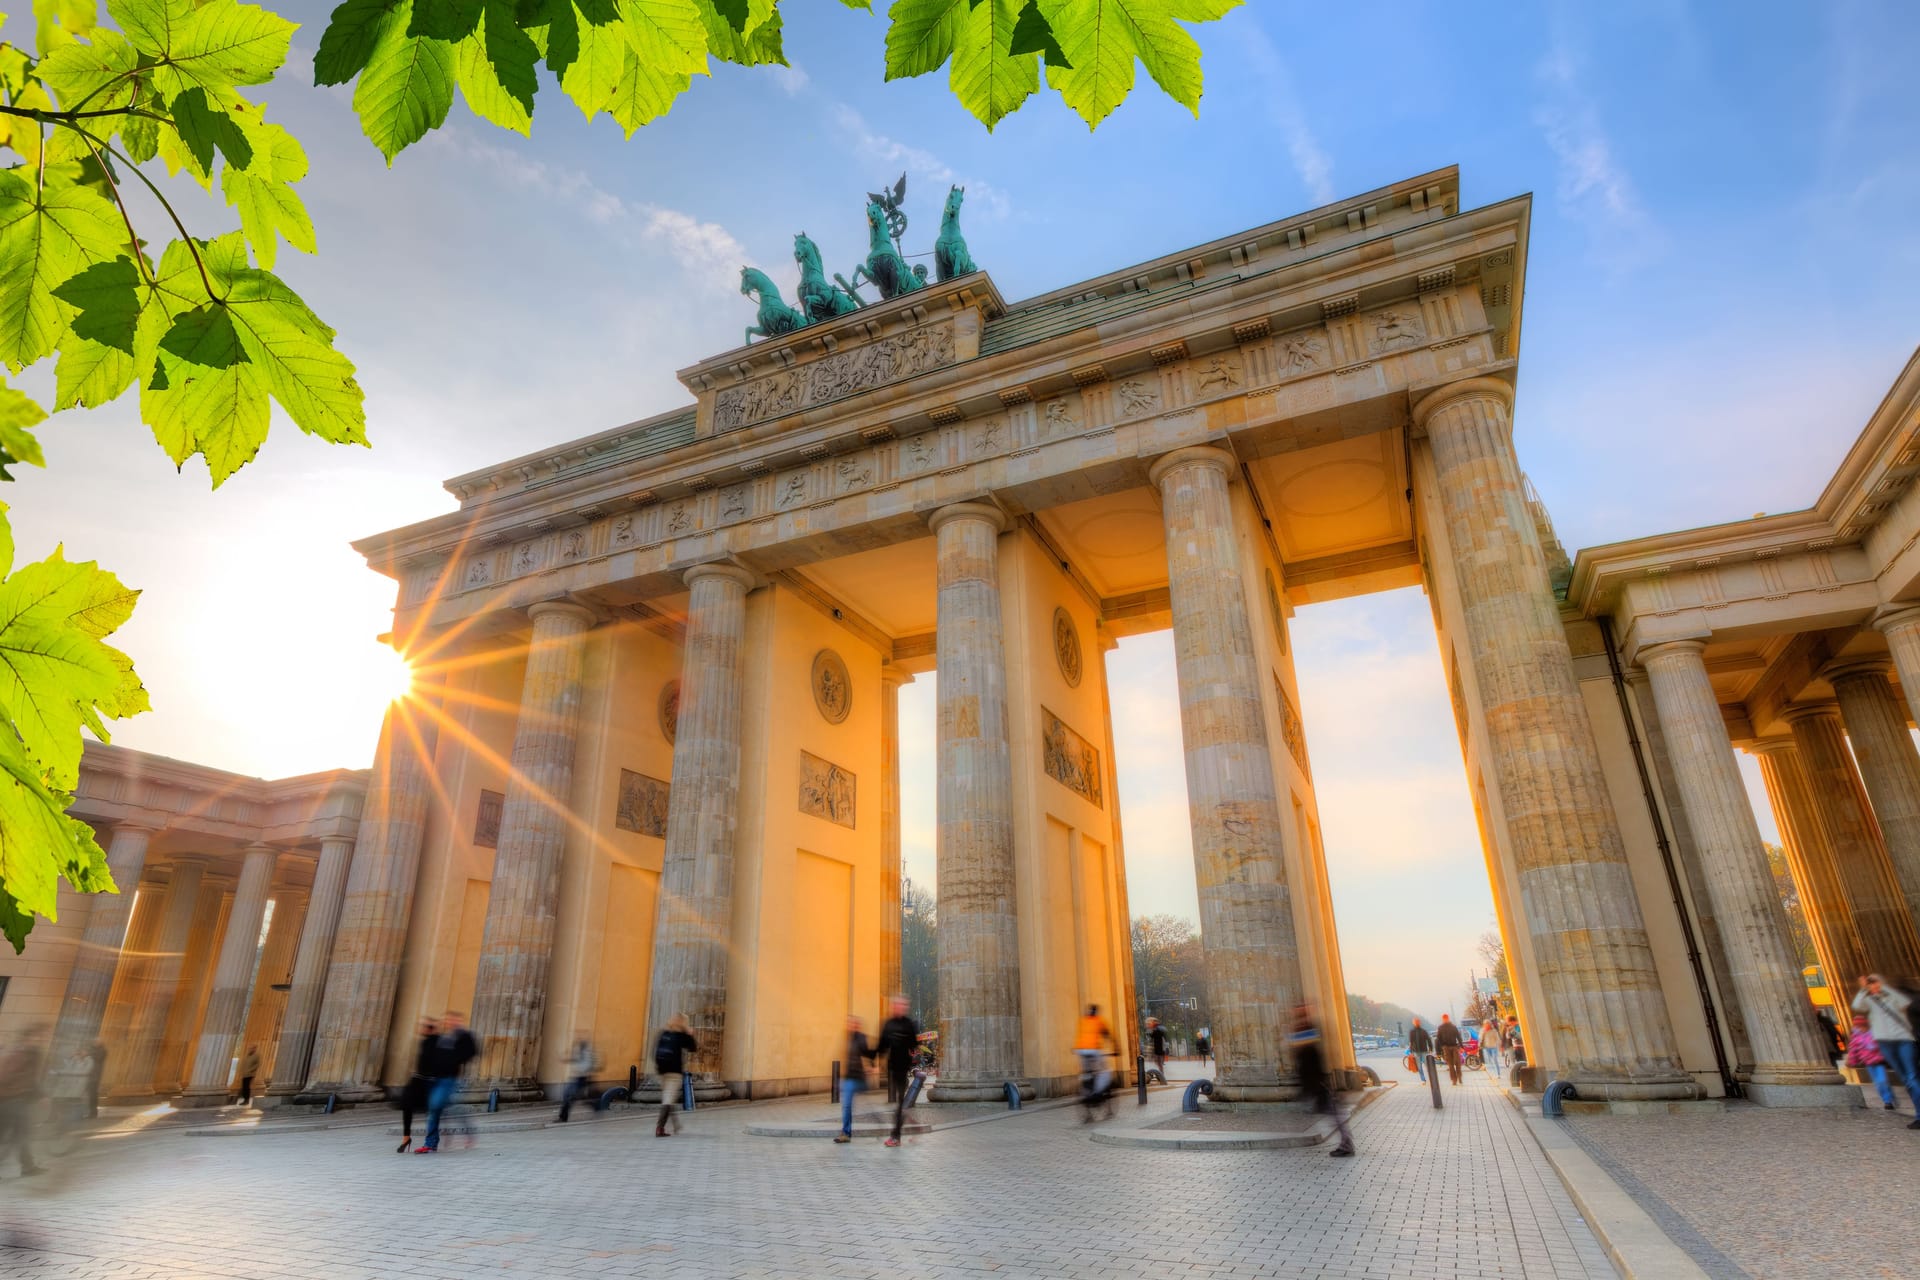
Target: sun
column 389, row 675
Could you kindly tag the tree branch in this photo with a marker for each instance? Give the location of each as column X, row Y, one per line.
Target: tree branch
column 192, row 247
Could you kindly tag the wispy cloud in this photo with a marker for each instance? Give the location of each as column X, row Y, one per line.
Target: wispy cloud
column 1310, row 162
column 791, row 78
column 1593, row 188
column 707, row 250
column 917, row 162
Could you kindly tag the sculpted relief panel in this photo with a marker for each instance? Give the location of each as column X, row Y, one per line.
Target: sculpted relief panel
column 826, row 790
column 1070, row 759
column 643, row 804
column 831, row 377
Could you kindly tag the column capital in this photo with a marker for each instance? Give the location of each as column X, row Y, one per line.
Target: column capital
column 1857, row 668
column 1899, row 616
column 896, row 676
column 1823, row 710
column 1465, row 389
column 1200, row 455
column 970, row 511
column 562, row 609
column 1779, row 744
column 722, row 570
column 1672, row 648
column 147, row 828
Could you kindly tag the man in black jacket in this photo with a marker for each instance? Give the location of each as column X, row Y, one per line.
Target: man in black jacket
column 1447, row 1041
column 443, row 1062
column 1315, row 1085
column 670, row 1064
column 1419, row 1044
column 899, row 1038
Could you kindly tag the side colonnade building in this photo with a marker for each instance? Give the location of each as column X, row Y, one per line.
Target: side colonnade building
column 651, row 763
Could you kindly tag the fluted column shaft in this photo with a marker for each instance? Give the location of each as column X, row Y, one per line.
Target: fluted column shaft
column 981, row 1044
column 232, row 981
column 1589, row 939
column 1876, row 722
column 695, row 927
column 91, row 979
column 363, row 971
column 891, row 678
column 523, row 901
column 153, row 1007
column 1823, row 898
column 1879, row 913
column 1786, row 1044
column 1246, row 910
column 295, row 1050
column 267, row 1006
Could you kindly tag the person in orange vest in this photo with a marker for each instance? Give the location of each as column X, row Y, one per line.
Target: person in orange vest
column 1096, row 1082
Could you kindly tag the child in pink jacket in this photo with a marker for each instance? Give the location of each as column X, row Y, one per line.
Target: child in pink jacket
column 1864, row 1054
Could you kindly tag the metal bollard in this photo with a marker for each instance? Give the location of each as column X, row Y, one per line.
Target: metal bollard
column 1433, row 1078
column 686, row 1091
column 493, row 1100
column 633, row 1080
column 331, row 1099
column 913, row 1089
column 1557, row 1092
column 1013, row 1096
column 834, row 1086
column 1140, row 1075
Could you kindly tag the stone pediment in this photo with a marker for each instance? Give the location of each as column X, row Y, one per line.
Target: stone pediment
column 877, row 346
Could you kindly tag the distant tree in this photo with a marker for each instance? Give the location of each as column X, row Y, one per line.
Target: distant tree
column 1170, row 973
column 920, row 954
column 1493, row 951
column 1797, row 930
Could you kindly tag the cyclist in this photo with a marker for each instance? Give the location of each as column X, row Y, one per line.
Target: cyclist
column 1096, row 1082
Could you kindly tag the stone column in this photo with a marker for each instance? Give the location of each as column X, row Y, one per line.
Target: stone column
column 1900, row 624
column 981, row 1046
column 232, row 983
column 1790, row 1064
column 1876, row 722
column 295, row 1050
column 1823, row 897
column 523, row 902
column 154, row 1006
column 98, row 958
column 1589, row 938
column 696, row 880
column 891, row 678
column 1879, row 912
column 363, row 973
column 1246, row 912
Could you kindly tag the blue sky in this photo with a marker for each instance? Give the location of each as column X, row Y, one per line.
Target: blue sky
column 1726, row 240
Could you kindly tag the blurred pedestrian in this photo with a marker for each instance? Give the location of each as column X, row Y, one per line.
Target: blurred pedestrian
column 1890, row 1022
column 853, row 1075
column 1420, row 1044
column 448, row 1056
column 413, row 1094
column 1447, row 1040
column 1865, row 1056
column 249, row 1069
column 1514, row 1042
column 899, row 1040
column 96, row 1067
column 1203, row 1045
column 581, row 1064
column 1490, row 1043
column 670, row 1064
column 1157, row 1044
column 1310, row 1064
column 1089, row 1045
column 19, row 1089
column 1830, row 1033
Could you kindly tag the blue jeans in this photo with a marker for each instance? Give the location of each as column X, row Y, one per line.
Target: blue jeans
column 1903, row 1059
column 1490, row 1054
column 849, row 1086
column 438, row 1096
column 1878, row 1074
column 1420, row 1065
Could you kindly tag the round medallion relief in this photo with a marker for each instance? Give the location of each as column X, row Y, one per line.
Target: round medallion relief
column 1066, row 647
column 832, row 687
column 670, row 710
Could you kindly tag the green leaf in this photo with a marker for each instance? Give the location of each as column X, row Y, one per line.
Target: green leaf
column 224, row 44
column 46, row 237
column 70, row 17
column 668, row 35
column 54, row 672
column 759, row 47
column 1102, row 39
column 269, row 208
column 75, row 72
column 589, row 51
column 154, row 25
column 496, row 69
column 1032, row 34
column 38, row 841
column 18, row 411
column 203, row 128
column 990, row 81
column 106, row 298
column 921, row 35
column 733, row 13
column 407, row 87
column 89, row 374
column 449, row 20
column 205, row 396
column 292, row 348
column 641, row 96
column 348, row 42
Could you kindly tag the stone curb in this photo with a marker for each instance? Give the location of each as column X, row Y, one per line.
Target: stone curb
column 826, row 1128
column 1230, row 1140
column 1635, row 1242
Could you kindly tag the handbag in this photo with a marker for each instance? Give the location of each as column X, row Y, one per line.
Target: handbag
column 1413, row 1064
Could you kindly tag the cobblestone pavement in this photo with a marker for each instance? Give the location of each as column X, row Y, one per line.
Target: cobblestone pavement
column 1772, row 1193
column 1025, row 1196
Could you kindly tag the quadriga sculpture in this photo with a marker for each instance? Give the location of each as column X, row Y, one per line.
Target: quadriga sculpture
column 950, row 256
column 819, row 298
column 776, row 317
column 884, row 266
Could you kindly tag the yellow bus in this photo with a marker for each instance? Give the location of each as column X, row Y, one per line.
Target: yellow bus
column 1817, row 987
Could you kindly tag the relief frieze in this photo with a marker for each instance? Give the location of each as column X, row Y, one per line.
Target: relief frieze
column 1070, row 759
column 826, row 790
column 843, row 373
column 643, row 805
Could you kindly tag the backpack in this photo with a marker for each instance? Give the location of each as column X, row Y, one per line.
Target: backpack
column 665, row 1050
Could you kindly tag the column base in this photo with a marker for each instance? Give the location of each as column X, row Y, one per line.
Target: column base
column 1226, row 1091
column 522, row 1090
column 978, row 1090
column 1844, row 1096
column 343, row 1095
column 1600, row 1088
column 202, row 1100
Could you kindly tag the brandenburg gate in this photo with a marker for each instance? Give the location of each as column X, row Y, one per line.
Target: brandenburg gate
column 651, row 762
